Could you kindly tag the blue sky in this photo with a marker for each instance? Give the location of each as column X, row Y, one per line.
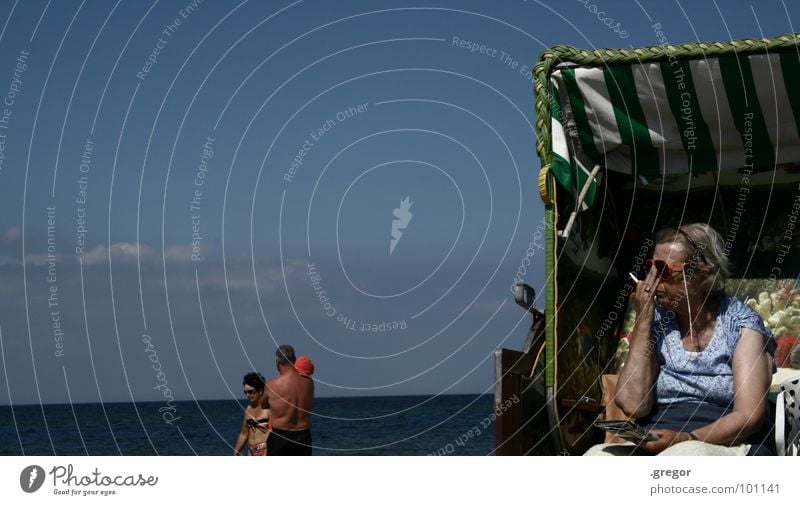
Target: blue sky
column 376, row 102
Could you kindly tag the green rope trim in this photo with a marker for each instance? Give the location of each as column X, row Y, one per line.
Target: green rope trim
column 558, row 54
column 550, row 296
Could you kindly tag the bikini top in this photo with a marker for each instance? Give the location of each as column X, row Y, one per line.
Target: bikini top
column 258, row 424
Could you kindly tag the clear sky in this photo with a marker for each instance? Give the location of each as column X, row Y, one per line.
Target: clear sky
column 186, row 184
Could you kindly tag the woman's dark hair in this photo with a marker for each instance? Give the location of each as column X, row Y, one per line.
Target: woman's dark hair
column 254, row 380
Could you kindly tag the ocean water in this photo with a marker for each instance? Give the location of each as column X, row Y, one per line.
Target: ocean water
column 388, row 425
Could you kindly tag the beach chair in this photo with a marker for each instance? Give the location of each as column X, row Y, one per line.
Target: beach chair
column 630, row 141
column 787, row 418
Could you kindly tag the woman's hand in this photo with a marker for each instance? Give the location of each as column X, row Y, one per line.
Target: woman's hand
column 665, row 438
column 634, row 393
column 645, row 305
column 646, row 293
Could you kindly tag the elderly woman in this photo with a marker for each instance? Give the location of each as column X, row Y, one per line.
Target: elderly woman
column 700, row 363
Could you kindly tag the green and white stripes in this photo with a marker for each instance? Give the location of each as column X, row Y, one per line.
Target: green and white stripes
column 675, row 116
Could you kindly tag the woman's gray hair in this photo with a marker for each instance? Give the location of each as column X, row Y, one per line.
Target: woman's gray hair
column 705, row 247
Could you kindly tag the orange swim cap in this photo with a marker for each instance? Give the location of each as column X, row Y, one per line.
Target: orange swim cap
column 304, row 366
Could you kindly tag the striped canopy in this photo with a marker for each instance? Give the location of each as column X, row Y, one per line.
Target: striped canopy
column 675, row 116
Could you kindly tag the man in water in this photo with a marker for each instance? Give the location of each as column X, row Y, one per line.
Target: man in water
column 290, row 398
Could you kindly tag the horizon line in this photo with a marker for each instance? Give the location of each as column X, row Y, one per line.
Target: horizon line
column 232, row 399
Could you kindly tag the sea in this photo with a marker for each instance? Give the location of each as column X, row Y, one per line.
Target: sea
column 386, row 425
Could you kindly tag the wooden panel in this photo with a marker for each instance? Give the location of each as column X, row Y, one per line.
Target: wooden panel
column 509, row 365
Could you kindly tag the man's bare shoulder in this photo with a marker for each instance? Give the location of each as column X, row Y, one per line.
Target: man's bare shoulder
column 277, row 383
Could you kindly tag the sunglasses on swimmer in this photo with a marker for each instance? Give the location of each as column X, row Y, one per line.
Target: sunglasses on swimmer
column 248, row 392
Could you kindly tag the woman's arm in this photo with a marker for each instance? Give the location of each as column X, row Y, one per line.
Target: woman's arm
column 242, row 438
column 634, row 393
column 752, row 368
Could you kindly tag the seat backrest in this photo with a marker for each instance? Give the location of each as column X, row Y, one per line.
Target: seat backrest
column 787, row 440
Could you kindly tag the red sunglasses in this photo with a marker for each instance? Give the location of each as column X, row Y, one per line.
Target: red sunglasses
column 664, row 270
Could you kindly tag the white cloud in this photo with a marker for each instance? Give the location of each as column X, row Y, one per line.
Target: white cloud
column 126, row 252
column 39, row 259
column 183, row 253
column 121, row 252
column 239, row 276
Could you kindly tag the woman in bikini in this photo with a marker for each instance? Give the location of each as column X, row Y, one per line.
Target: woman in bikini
column 255, row 426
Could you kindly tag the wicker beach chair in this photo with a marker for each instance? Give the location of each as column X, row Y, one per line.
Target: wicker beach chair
column 787, row 419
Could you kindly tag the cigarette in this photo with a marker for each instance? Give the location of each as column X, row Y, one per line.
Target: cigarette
column 633, row 277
